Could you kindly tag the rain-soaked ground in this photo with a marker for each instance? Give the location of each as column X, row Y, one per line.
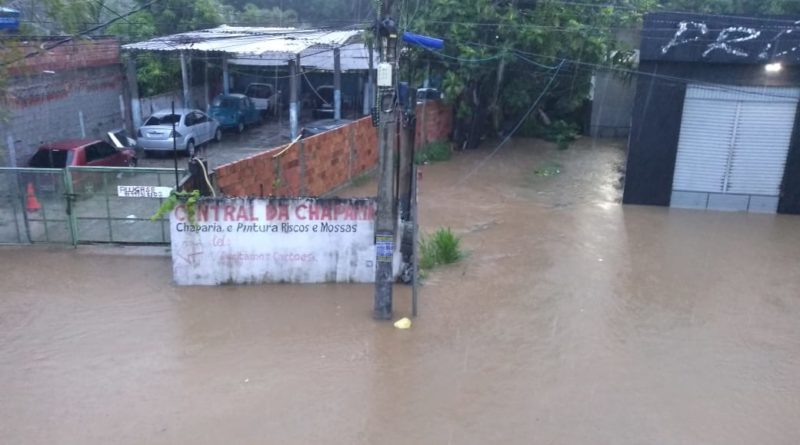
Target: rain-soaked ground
column 573, row 320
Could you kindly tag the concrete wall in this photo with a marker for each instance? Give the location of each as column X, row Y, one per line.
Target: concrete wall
column 296, row 240
column 612, row 105
column 47, row 94
column 321, row 163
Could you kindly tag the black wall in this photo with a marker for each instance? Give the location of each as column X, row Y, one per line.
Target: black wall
column 653, row 144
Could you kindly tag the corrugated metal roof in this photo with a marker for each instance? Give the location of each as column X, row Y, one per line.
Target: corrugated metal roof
column 241, row 41
column 354, row 56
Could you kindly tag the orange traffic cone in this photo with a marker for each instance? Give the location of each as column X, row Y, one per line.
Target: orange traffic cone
column 31, row 203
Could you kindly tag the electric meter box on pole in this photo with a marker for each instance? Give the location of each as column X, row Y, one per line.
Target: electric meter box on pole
column 385, row 74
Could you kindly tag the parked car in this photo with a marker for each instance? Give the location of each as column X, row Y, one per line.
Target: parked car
column 74, row 153
column 234, row 111
column 192, row 128
column 323, row 125
column 263, row 96
column 82, row 152
column 323, row 102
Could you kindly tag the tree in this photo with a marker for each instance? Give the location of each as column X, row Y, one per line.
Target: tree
column 499, row 56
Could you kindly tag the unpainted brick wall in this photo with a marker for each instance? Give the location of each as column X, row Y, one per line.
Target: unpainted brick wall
column 318, row 164
column 434, row 122
column 311, row 167
column 45, row 94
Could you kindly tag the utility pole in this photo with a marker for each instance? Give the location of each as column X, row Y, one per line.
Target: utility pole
column 385, row 221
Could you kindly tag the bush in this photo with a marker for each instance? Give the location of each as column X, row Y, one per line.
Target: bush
column 433, row 152
column 443, row 247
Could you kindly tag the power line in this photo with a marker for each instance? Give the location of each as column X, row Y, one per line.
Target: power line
column 516, row 127
column 82, row 33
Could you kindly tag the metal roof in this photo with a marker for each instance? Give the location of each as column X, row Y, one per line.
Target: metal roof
column 354, row 56
column 248, row 42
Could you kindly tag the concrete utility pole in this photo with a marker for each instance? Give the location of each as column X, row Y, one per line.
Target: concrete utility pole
column 386, row 35
column 407, row 136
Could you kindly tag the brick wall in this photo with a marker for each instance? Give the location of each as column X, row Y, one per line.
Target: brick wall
column 311, row 167
column 46, row 95
column 321, row 163
column 434, row 122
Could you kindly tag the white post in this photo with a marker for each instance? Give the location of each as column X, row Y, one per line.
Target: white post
column 133, row 88
column 225, row 76
column 12, row 150
column 337, row 85
column 187, row 95
column 83, row 127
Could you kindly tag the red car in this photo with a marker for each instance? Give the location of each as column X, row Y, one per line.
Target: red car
column 82, row 152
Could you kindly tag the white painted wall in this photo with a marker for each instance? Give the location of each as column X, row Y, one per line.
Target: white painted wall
column 297, row 240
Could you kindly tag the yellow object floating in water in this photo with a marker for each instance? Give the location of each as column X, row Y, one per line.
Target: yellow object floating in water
column 403, row 323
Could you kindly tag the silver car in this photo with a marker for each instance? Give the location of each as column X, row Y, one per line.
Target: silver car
column 192, row 128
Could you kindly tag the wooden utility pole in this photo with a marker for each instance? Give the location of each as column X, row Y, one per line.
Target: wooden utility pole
column 385, row 221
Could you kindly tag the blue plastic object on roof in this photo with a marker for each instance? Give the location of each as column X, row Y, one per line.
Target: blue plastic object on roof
column 9, row 19
column 423, row 41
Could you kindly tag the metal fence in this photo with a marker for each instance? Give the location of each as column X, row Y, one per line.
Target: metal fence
column 80, row 205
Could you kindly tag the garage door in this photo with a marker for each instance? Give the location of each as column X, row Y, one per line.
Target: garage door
column 733, row 146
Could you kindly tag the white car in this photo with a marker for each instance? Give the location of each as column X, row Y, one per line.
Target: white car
column 192, row 128
column 262, row 95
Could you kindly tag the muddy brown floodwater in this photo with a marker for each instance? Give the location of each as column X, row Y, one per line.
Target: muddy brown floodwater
column 572, row 320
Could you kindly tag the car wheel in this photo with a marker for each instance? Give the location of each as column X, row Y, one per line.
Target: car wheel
column 133, row 162
column 218, row 135
column 190, row 148
column 240, row 127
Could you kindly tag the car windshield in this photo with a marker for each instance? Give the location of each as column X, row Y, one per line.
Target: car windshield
column 224, row 102
column 45, row 158
column 167, row 119
column 259, row 91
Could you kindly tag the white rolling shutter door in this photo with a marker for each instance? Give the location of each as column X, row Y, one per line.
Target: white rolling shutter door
column 704, row 145
column 764, row 131
column 734, row 141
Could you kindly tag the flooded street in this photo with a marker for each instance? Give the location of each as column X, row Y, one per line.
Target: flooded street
column 572, row 320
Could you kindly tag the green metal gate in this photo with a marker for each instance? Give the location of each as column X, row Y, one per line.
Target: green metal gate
column 81, row 205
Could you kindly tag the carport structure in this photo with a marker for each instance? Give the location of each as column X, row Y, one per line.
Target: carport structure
column 324, row 50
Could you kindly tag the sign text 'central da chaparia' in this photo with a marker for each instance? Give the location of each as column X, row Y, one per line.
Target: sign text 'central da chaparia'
column 300, row 240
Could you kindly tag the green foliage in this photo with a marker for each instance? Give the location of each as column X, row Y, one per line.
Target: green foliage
column 157, row 73
column 189, row 199
column 252, row 15
column 484, row 71
column 443, row 247
column 433, row 152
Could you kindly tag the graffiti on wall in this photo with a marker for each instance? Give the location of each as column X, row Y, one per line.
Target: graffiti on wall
column 731, row 40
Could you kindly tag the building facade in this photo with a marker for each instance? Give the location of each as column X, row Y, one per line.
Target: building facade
column 715, row 121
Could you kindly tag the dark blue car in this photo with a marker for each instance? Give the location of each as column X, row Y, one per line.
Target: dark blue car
column 234, row 111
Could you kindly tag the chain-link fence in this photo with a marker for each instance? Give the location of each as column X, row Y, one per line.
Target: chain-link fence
column 83, row 205
column 33, row 206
